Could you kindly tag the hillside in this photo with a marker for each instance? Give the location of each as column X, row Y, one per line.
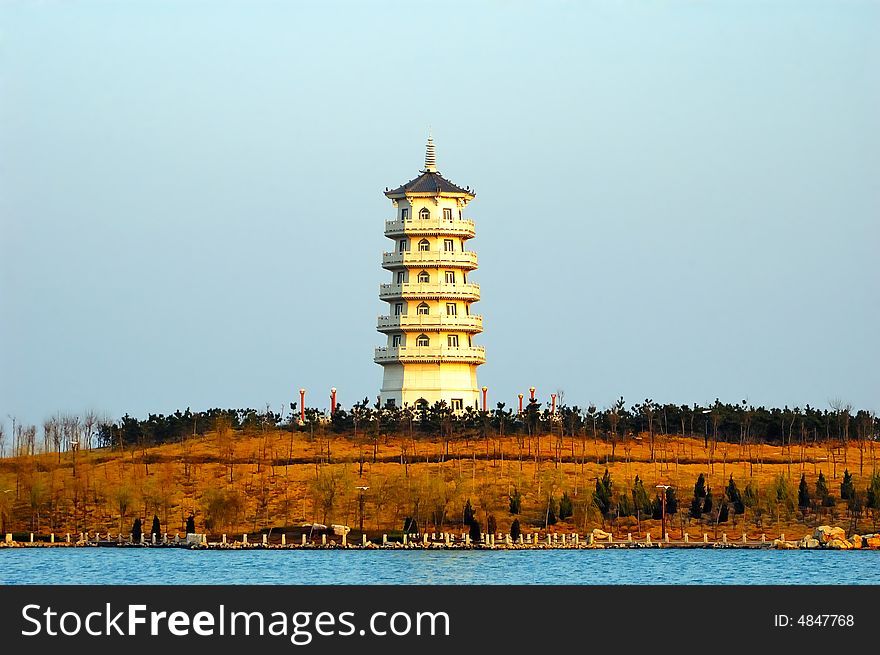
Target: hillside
column 236, row 481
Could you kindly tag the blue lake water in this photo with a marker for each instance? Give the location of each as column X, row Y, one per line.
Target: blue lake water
column 547, row 567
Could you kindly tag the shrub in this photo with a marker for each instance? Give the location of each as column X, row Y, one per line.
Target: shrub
column 491, row 526
column 515, row 501
column 468, row 516
column 847, row 488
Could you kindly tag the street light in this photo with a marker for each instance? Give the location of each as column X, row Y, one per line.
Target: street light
column 332, row 400
column 706, row 437
column 302, row 405
column 520, row 396
column 532, row 391
column 485, row 389
column 664, row 487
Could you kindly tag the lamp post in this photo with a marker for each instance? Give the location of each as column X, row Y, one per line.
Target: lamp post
column 552, row 403
column 73, row 446
column 532, row 391
column 302, row 405
column 520, row 396
column 705, row 412
column 485, row 389
column 332, row 400
column 663, row 488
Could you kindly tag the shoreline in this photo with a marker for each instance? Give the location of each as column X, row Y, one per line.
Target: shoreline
column 824, row 538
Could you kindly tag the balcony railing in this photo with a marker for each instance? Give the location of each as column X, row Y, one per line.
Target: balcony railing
column 418, row 226
column 446, row 258
column 431, row 322
column 435, row 290
column 404, row 354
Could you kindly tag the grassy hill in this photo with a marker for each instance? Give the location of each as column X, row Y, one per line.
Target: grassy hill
column 236, row 482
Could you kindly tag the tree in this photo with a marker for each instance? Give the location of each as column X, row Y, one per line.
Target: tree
column 707, row 502
column 603, row 494
column 552, row 508
column 671, row 502
column 515, row 501
column 847, row 488
column 821, row 488
column 491, row 526
column 515, row 531
column 468, row 515
column 191, row 524
column 157, row 528
column 700, row 487
column 566, row 508
column 641, row 502
column 803, row 494
column 723, row 512
column 475, row 531
column 696, row 508
column 734, row 496
column 136, row 531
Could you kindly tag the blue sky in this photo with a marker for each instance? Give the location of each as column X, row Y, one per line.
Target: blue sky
column 675, row 200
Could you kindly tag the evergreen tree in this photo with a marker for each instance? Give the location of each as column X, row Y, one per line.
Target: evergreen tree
column 156, row 529
column 872, row 494
column 734, row 496
column 700, row 487
column 671, row 501
column 696, row 508
column 191, row 524
column 515, row 501
column 657, row 508
column 707, row 502
column 602, row 495
column 551, row 511
column 410, row 526
column 468, row 515
column 803, row 493
column 136, row 531
column 491, row 527
column 475, row 531
column 515, row 531
column 847, row 488
column 723, row 512
column 821, row 488
column 566, row 508
column 641, row 502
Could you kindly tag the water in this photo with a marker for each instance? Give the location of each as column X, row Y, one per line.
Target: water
column 547, row 567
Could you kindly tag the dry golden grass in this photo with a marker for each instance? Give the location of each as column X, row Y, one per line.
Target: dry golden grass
column 239, row 482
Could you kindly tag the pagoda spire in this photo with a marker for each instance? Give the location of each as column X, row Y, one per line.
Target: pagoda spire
column 430, row 157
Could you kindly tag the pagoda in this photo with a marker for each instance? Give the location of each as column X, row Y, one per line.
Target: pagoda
column 430, row 354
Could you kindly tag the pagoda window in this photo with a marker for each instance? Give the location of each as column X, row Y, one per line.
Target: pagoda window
column 398, row 309
column 451, row 309
column 424, row 245
column 401, row 246
column 447, row 214
column 396, row 340
column 450, row 277
column 457, row 404
column 422, row 341
column 448, row 245
column 401, row 277
column 424, row 278
column 423, row 309
column 404, row 214
column 424, row 213
column 452, row 340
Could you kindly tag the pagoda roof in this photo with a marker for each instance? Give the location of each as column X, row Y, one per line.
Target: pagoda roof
column 429, row 183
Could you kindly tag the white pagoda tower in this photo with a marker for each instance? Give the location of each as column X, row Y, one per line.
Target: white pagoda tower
column 430, row 327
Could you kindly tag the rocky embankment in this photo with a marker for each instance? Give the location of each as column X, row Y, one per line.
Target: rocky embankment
column 833, row 538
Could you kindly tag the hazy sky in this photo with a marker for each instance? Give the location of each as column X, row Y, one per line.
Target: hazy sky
column 675, row 200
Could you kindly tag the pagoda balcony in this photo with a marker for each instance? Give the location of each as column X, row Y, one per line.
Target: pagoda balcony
column 430, row 258
column 429, row 291
column 472, row 323
column 462, row 227
column 428, row 354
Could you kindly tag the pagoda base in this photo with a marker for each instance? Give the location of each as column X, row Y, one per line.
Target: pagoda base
column 406, row 384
